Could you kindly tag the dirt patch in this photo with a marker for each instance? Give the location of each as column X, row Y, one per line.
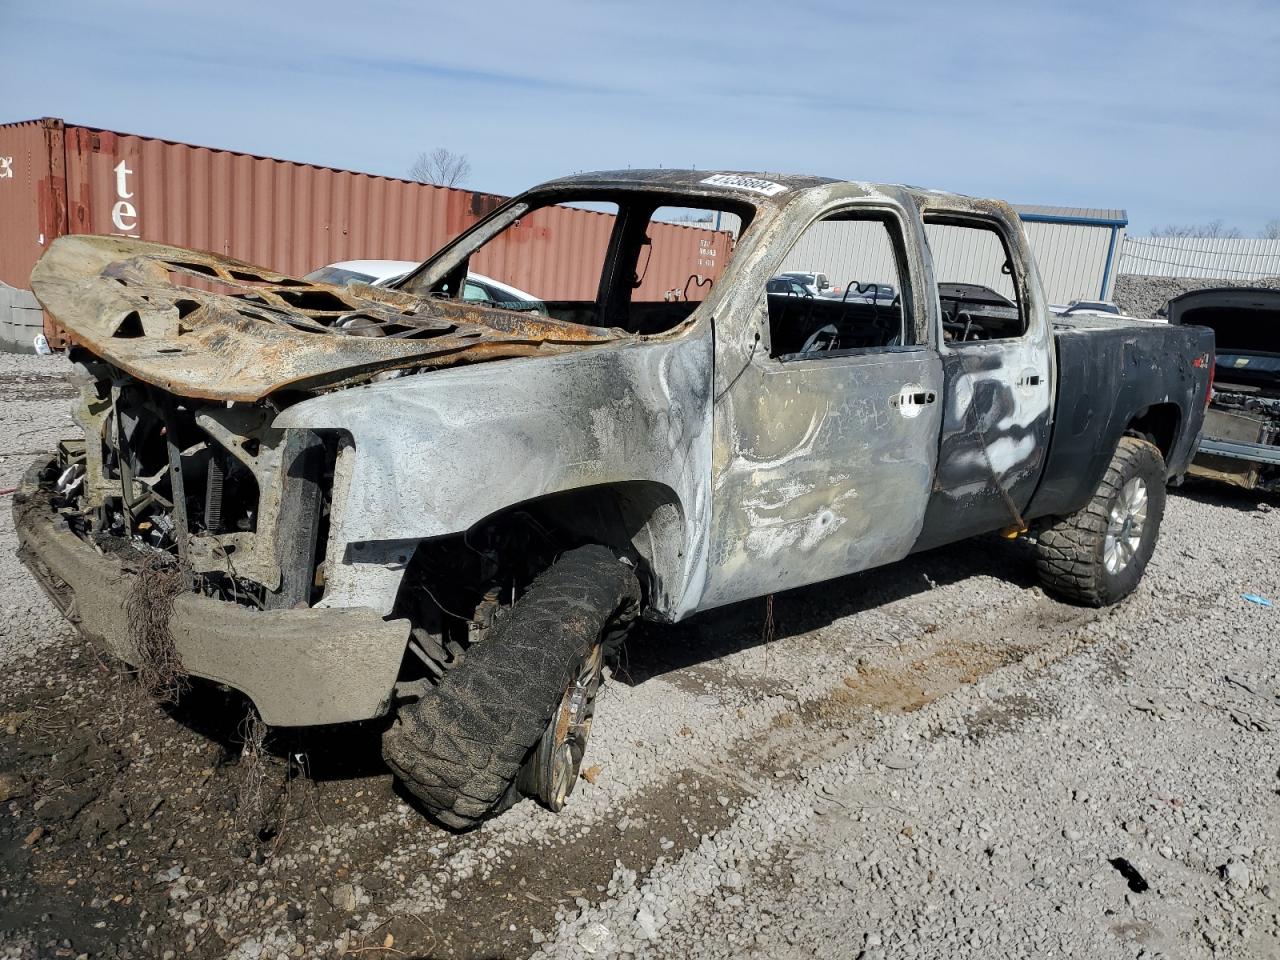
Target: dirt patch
column 908, row 688
column 1004, row 715
column 893, row 684
column 126, row 814
column 527, row 890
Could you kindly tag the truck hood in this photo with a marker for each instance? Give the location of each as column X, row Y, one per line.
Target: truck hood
column 211, row 327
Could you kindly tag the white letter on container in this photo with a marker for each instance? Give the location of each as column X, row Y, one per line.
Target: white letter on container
column 123, row 211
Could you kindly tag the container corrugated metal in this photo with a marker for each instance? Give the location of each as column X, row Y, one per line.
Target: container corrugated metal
column 1201, row 257
column 291, row 217
column 32, row 195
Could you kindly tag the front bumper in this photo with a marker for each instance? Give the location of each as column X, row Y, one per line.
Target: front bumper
column 299, row 667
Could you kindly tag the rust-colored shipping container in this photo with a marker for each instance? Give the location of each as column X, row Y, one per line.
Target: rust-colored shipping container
column 58, row 178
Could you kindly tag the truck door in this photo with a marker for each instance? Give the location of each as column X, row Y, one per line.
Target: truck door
column 997, row 358
column 827, row 411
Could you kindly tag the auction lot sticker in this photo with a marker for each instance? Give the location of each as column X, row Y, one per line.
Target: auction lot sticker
column 755, row 185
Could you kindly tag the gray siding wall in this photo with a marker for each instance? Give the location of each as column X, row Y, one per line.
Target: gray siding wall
column 21, row 320
column 1072, row 258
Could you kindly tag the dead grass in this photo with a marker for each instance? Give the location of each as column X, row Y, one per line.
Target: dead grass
column 148, row 609
column 256, row 794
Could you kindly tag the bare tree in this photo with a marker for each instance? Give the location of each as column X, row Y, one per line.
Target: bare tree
column 1271, row 231
column 442, row 167
column 1214, row 229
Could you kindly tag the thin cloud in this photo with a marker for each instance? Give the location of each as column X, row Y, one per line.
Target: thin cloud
column 1171, row 110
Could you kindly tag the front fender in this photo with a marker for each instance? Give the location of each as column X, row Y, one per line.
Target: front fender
column 434, row 453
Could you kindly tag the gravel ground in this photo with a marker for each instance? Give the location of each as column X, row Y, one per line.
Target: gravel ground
column 928, row 760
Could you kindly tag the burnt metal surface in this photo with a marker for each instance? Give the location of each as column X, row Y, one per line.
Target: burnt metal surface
column 300, row 667
column 434, row 455
column 999, row 397
column 215, row 328
column 739, row 473
column 1111, row 372
column 818, row 470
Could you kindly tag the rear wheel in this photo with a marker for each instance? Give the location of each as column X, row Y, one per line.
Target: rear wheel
column 1097, row 555
column 514, row 715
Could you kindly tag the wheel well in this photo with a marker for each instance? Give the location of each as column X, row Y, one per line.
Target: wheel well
column 455, row 588
column 639, row 518
column 1158, row 423
column 642, row 520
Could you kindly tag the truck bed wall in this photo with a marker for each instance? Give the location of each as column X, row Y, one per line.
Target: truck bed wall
column 1107, row 376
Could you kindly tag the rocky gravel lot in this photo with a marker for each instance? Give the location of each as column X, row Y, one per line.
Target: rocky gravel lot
column 1140, row 296
column 931, row 760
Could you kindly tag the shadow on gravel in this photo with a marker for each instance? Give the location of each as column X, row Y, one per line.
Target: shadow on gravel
column 345, row 752
column 654, row 649
column 305, row 755
column 353, row 752
column 1222, row 495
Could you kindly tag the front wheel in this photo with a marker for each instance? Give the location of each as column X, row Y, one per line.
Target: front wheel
column 1097, row 555
column 514, row 715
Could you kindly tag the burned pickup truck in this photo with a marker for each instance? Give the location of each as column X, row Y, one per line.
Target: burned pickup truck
column 402, row 504
column 1240, row 443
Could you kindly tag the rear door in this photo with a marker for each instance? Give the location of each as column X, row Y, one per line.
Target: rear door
column 996, row 346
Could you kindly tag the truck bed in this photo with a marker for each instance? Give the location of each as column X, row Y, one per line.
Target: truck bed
column 1108, row 368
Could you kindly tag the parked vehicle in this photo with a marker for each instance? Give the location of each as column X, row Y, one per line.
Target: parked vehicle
column 1085, row 306
column 819, row 283
column 377, row 272
column 1240, row 444
column 378, row 502
column 789, row 286
column 870, row 292
column 385, row 273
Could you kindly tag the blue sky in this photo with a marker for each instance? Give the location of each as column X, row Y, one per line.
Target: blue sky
column 1170, row 110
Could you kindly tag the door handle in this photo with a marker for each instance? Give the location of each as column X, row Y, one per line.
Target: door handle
column 910, row 399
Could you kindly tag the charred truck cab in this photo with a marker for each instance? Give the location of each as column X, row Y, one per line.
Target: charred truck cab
column 402, row 503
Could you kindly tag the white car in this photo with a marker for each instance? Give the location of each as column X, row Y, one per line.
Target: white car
column 818, row 283
column 1085, row 306
column 382, row 273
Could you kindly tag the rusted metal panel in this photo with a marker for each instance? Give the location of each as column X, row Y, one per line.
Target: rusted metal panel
column 291, row 217
column 32, row 195
column 300, row 667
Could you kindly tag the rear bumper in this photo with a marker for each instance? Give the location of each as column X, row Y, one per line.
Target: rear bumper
column 299, row 667
column 1241, row 450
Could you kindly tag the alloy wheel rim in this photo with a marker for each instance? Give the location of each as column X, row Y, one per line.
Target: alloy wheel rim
column 570, row 728
column 1126, row 524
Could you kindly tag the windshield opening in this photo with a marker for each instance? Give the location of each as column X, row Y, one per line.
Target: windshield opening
column 638, row 262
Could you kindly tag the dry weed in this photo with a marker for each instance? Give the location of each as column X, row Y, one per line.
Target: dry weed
column 148, row 609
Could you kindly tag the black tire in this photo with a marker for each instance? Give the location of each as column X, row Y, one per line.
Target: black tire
column 1072, row 553
column 461, row 747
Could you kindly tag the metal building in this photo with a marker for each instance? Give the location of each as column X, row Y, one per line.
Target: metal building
column 1076, row 251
